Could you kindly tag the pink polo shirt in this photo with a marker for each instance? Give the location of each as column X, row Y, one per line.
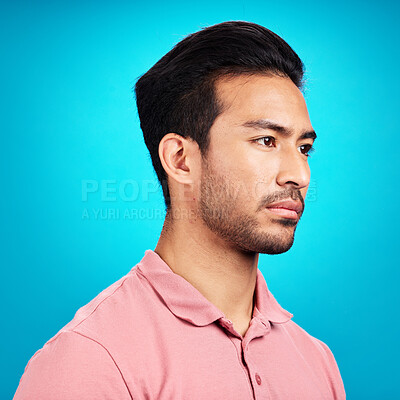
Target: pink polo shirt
column 152, row 335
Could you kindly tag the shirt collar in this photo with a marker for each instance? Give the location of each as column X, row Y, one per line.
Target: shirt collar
column 187, row 303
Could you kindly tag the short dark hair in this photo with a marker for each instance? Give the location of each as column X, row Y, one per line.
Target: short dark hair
column 177, row 94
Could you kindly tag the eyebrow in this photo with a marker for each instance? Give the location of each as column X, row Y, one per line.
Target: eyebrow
column 284, row 131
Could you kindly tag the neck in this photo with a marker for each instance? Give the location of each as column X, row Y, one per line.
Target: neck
column 222, row 273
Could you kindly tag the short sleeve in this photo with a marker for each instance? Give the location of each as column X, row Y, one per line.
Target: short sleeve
column 70, row 367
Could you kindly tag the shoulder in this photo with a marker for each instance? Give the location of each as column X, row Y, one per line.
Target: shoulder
column 110, row 303
column 307, row 343
column 116, row 310
column 317, row 353
column 81, row 357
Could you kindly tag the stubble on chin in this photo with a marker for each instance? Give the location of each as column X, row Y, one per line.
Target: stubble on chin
column 223, row 214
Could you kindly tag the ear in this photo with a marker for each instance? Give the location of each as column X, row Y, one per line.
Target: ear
column 177, row 157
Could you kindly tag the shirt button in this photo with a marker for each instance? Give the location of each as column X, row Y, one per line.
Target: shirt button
column 258, row 379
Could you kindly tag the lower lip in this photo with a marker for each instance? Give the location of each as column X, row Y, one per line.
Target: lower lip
column 283, row 212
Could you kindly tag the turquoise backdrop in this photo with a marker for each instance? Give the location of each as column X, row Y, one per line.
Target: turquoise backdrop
column 80, row 202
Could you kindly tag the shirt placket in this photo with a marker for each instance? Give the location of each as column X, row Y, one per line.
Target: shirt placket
column 257, row 381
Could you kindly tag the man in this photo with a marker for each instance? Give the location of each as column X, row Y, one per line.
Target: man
column 229, row 135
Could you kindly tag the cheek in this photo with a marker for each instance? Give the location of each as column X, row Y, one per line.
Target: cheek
column 251, row 185
column 261, row 177
column 249, row 174
column 254, row 178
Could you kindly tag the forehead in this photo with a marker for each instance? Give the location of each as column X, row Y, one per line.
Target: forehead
column 262, row 96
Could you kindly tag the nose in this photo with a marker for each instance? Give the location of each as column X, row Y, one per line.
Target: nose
column 293, row 170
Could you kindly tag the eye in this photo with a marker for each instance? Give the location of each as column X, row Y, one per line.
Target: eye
column 307, row 149
column 265, row 141
column 269, row 141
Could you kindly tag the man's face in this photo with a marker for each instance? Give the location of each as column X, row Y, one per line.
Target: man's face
column 257, row 156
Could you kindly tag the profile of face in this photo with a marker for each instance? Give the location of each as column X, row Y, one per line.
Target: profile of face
column 258, row 155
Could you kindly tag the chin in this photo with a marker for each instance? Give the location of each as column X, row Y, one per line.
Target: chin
column 276, row 249
column 267, row 243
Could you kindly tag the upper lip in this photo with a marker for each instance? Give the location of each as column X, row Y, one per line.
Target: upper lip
column 289, row 204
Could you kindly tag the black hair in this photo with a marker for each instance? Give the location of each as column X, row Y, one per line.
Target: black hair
column 177, row 94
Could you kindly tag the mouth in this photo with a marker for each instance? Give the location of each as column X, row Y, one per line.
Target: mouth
column 286, row 209
column 283, row 212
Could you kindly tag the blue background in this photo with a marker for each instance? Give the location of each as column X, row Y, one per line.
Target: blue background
column 68, row 120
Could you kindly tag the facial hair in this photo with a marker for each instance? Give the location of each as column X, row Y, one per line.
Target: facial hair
column 221, row 212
